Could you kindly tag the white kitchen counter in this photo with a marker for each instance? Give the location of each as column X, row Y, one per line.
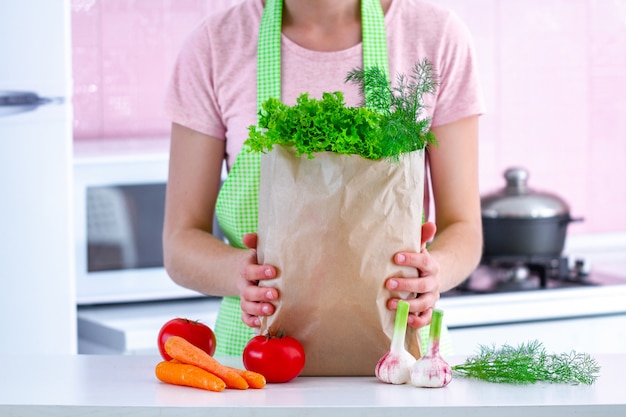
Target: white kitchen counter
column 125, row 385
column 133, row 328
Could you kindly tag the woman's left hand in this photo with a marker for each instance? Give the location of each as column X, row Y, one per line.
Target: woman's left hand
column 425, row 287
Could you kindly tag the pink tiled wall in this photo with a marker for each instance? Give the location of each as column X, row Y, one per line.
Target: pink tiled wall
column 123, row 51
column 553, row 71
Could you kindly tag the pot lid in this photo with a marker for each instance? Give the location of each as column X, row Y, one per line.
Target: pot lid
column 517, row 200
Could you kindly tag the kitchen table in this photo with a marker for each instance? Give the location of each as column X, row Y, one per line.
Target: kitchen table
column 125, row 385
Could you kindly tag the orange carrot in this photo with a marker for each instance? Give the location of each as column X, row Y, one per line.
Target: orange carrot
column 254, row 379
column 188, row 375
column 180, row 349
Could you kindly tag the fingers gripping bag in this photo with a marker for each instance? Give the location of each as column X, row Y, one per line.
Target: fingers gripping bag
column 341, row 191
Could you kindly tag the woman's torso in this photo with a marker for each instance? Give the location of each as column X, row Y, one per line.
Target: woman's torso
column 218, row 95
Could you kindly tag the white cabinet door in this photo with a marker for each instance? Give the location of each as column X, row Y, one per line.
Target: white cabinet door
column 35, row 181
column 593, row 335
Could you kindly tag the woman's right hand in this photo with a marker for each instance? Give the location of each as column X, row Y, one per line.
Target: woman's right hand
column 256, row 301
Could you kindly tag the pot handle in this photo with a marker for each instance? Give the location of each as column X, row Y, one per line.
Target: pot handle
column 570, row 219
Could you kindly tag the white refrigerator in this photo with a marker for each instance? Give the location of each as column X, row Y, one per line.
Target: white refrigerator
column 37, row 301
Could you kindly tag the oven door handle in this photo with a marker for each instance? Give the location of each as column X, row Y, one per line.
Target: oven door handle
column 13, row 102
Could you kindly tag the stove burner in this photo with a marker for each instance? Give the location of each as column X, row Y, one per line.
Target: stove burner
column 545, row 267
column 518, row 273
column 524, row 273
column 516, row 278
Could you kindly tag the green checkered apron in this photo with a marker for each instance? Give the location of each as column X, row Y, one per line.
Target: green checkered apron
column 237, row 202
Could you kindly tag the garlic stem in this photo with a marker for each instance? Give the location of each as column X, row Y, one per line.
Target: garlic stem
column 435, row 332
column 399, row 326
column 394, row 367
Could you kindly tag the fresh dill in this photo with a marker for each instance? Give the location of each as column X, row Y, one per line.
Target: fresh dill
column 402, row 104
column 528, row 363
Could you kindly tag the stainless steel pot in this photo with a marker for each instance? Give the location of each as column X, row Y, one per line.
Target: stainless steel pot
column 519, row 221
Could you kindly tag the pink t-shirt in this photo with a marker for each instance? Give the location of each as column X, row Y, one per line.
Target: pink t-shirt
column 213, row 87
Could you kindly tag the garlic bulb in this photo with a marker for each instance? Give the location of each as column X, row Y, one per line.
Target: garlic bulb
column 431, row 370
column 395, row 366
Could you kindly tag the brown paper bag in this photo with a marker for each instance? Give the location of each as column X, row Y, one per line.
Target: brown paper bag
column 331, row 226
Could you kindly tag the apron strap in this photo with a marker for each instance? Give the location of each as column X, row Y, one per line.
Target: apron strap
column 268, row 74
column 374, row 36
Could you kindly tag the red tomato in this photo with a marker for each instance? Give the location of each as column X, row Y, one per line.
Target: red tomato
column 196, row 333
column 278, row 358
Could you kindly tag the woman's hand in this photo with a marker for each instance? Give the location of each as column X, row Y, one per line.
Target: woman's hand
column 425, row 287
column 255, row 300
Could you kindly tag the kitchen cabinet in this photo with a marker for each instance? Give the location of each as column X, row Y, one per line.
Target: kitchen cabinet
column 132, row 329
column 603, row 334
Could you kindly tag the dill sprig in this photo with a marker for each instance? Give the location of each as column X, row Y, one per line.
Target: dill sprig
column 403, row 126
column 528, row 363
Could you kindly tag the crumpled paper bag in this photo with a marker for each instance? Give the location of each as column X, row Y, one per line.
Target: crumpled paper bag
column 331, row 226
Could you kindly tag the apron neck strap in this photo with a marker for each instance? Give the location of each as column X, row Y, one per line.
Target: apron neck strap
column 268, row 48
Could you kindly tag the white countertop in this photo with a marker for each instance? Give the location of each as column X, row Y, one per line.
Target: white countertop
column 90, row 151
column 125, row 385
column 523, row 306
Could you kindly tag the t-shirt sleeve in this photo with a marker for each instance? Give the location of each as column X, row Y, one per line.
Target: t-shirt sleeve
column 459, row 93
column 190, row 98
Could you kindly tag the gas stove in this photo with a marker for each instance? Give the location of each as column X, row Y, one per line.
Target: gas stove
column 506, row 274
column 588, row 280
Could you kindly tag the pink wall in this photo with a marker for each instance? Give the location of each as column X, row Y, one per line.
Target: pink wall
column 554, row 75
